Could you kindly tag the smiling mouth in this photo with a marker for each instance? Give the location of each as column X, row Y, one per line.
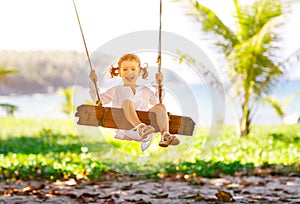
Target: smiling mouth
column 129, row 78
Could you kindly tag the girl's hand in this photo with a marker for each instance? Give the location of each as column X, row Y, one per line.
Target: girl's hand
column 159, row 78
column 93, row 76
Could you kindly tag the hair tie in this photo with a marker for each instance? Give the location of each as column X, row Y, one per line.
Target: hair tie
column 114, row 71
column 144, row 70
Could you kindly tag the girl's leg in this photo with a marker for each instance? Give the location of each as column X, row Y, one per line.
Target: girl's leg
column 162, row 120
column 131, row 115
column 161, row 117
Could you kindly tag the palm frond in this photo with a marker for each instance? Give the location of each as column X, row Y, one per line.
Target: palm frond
column 67, row 106
column 294, row 57
column 275, row 104
column 250, row 19
column 4, row 72
column 287, row 100
column 211, row 22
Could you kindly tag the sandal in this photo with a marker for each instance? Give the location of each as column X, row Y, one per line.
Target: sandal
column 144, row 130
column 171, row 140
column 140, row 132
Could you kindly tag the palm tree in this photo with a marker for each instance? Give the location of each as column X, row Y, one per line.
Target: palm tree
column 4, row 71
column 67, row 105
column 251, row 49
column 280, row 108
column 8, row 108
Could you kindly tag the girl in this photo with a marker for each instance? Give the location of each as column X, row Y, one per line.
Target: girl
column 131, row 97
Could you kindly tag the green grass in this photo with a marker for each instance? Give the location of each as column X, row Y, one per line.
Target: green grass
column 52, row 149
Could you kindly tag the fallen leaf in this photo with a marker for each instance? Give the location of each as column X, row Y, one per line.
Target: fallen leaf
column 40, row 186
column 41, row 195
column 257, row 197
column 105, row 186
column 140, row 201
column 160, row 196
column 71, row 182
column 261, row 183
column 111, row 201
column 224, row 196
column 126, row 187
column 28, row 189
column 105, row 197
column 189, row 196
column 272, row 195
column 246, row 183
column 233, row 186
column 139, row 192
column 212, row 200
column 290, row 183
column 287, row 192
column 89, row 195
column 198, row 181
column 284, row 200
column 71, row 195
column 199, row 197
column 54, row 192
column 246, row 192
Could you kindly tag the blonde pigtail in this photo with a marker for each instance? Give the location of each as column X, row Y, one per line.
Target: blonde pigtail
column 114, row 71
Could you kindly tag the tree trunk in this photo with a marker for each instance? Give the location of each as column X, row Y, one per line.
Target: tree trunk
column 245, row 121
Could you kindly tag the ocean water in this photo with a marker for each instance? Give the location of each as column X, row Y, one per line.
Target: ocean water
column 35, row 106
column 196, row 101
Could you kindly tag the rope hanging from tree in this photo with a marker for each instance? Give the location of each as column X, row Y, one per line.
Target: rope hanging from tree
column 97, row 115
column 160, row 85
column 87, row 53
column 159, row 54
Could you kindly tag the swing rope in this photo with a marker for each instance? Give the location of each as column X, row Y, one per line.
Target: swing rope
column 159, row 54
column 158, row 58
column 87, row 53
column 104, row 116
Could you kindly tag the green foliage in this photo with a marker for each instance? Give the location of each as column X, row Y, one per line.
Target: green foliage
column 33, row 151
column 280, row 108
column 9, row 109
column 4, row 71
column 261, row 146
column 39, row 70
column 252, row 49
column 208, row 168
column 50, row 149
column 67, row 106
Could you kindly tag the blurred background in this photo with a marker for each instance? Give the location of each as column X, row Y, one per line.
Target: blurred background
column 41, row 49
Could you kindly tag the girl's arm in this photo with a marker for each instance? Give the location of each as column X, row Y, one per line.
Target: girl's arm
column 105, row 97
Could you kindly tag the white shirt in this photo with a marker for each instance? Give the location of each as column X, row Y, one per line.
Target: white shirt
column 143, row 99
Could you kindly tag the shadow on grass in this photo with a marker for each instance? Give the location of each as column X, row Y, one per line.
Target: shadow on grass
column 70, row 159
column 44, row 142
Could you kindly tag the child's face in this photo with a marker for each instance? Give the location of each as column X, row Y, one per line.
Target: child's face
column 129, row 71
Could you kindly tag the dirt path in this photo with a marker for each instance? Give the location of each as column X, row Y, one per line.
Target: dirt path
column 172, row 190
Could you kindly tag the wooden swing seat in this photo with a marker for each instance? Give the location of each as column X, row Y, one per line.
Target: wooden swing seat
column 93, row 115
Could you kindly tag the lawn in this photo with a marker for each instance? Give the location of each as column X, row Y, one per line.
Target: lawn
column 57, row 149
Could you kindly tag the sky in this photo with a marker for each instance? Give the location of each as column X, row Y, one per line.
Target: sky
column 52, row 24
